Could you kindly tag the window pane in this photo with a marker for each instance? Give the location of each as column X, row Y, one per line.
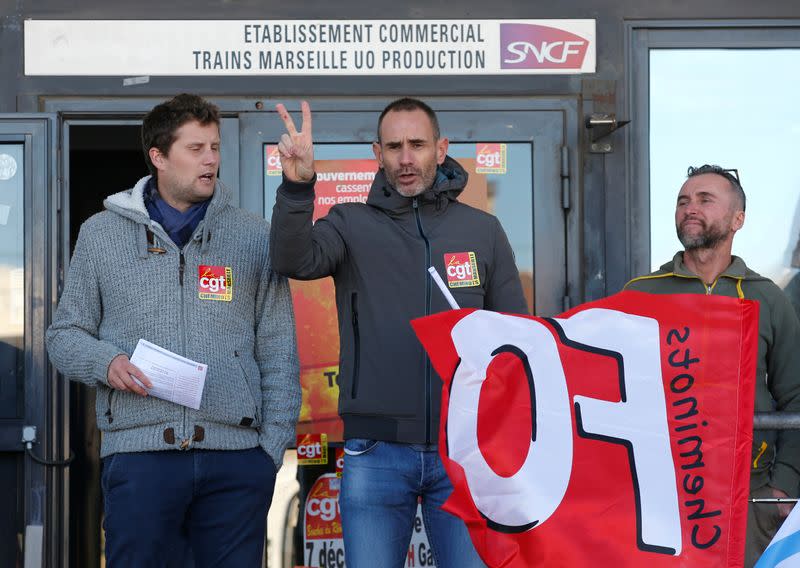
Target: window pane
column 12, row 278
column 734, row 108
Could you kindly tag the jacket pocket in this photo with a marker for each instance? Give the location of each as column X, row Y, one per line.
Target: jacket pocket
column 109, row 413
column 356, row 344
column 118, row 410
column 245, row 385
column 359, row 446
column 229, row 395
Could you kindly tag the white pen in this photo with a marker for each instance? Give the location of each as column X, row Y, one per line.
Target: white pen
column 439, row 282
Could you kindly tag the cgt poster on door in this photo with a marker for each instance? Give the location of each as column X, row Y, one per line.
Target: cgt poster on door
column 341, row 181
column 617, row 434
column 323, row 544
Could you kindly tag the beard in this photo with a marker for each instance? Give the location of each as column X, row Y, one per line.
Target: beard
column 707, row 238
column 425, row 179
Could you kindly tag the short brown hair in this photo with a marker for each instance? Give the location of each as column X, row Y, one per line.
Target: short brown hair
column 161, row 123
column 733, row 180
column 408, row 104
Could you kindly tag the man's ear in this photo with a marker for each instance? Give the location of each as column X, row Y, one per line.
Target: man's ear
column 156, row 157
column 738, row 221
column 441, row 149
column 376, row 149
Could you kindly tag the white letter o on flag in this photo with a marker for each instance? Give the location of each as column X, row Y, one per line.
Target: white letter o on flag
column 531, row 495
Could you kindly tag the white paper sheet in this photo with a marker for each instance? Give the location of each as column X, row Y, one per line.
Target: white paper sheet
column 174, row 378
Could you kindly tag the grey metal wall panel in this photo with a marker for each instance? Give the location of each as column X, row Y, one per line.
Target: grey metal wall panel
column 608, row 228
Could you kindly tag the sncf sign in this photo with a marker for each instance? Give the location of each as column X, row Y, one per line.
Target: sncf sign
column 531, row 46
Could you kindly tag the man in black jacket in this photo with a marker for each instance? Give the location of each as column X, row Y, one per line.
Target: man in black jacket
column 378, row 254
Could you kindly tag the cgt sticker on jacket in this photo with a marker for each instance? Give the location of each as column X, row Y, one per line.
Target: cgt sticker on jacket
column 215, row 283
column 616, row 434
column 461, row 269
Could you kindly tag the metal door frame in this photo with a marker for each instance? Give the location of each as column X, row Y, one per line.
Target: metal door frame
column 44, row 402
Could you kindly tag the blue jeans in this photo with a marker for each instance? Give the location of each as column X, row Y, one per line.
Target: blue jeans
column 381, row 483
column 157, row 501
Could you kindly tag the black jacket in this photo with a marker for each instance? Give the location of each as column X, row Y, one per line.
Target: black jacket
column 378, row 254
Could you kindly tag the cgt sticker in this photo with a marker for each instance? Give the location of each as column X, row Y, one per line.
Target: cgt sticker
column 273, row 160
column 215, row 283
column 339, row 454
column 490, row 159
column 462, row 269
column 312, row 449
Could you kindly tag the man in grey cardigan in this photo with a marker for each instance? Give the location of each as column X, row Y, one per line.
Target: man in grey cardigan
column 171, row 261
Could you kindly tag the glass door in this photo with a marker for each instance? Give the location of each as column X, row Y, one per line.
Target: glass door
column 29, row 395
column 716, row 92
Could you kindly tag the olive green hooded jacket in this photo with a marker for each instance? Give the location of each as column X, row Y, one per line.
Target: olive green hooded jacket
column 776, row 455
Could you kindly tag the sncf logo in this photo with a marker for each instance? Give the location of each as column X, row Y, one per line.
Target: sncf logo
column 529, row 46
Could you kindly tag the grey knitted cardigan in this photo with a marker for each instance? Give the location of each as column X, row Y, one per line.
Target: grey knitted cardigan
column 121, row 287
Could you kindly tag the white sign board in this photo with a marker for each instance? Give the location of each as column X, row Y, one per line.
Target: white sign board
column 308, row 47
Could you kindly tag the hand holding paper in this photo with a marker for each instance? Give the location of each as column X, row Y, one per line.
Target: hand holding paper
column 125, row 376
column 174, row 378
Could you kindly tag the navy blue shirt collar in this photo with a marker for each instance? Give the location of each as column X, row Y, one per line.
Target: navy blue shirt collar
column 179, row 225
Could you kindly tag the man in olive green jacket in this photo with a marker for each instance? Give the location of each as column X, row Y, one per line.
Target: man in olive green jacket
column 709, row 211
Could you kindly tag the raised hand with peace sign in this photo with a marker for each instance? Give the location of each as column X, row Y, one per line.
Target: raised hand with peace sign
column 296, row 148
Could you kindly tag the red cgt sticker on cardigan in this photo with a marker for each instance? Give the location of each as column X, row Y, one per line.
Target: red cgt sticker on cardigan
column 215, row 283
column 461, row 269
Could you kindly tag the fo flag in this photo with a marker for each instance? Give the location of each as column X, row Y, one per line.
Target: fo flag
column 618, row 434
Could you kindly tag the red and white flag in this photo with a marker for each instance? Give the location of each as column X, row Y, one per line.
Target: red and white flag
column 617, row 434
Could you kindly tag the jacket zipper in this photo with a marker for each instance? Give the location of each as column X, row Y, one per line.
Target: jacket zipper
column 181, row 269
column 428, row 397
column 356, row 344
